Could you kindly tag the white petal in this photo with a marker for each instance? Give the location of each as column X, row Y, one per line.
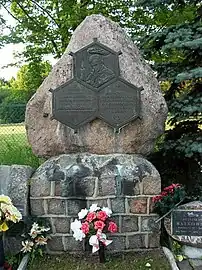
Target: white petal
column 78, row 235
column 75, row 225
column 94, row 207
column 82, row 213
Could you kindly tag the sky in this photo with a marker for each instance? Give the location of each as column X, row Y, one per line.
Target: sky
column 7, row 53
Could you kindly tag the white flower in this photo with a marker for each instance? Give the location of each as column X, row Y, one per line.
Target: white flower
column 11, row 213
column 148, row 265
column 5, row 199
column 76, row 225
column 34, row 233
column 40, row 241
column 79, row 235
column 35, row 226
column 82, row 213
column 27, row 246
column 94, row 208
column 107, row 210
column 43, row 229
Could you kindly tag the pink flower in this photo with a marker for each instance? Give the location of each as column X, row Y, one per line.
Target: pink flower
column 99, row 225
column 85, row 227
column 157, row 198
column 164, row 193
column 102, row 215
column 112, row 227
column 91, row 216
column 171, row 188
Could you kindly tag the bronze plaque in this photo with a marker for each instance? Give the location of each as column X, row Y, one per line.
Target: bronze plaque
column 96, row 65
column 96, row 91
column 119, row 103
column 187, row 222
column 74, row 104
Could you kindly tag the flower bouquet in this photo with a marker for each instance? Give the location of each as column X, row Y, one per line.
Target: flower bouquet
column 35, row 240
column 168, row 199
column 93, row 224
column 8, row 214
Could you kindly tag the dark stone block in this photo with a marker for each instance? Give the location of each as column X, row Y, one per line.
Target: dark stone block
column 75, row 206
column 118, row 244
column 56, row 206
column 106, row 185
column 136, row 241
column 37, row 207
column 55, row 244
column 148, row 224
column 118, row 205
column 62, row 225
column 154, row 240
column 129, row 224
column 72, row 245
column 100, row 203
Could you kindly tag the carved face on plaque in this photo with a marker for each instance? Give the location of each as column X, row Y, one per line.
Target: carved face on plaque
column 96, row 65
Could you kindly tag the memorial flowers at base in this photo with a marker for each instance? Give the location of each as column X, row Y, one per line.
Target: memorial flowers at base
column 9, row 214
column 93, row 224
column 35, row 240
column 168, row 198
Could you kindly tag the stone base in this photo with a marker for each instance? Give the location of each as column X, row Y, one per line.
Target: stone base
column 63, row 185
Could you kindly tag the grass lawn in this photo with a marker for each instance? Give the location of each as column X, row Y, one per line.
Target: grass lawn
column 14, row 147
column 132, row 261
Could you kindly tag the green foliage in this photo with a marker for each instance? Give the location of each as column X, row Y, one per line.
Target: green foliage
column 174, row 45
column 46, row 26
column 29, row 78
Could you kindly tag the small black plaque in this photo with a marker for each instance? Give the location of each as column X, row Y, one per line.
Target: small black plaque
column 187, row 222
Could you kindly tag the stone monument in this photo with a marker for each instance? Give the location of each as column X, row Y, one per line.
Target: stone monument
column 96, row 115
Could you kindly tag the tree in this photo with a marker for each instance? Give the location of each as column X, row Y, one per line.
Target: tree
column 46, row 26
column 173, row 42
column 15, row 93
column 29, row 78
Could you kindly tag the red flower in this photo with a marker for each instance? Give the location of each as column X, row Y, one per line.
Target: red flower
column 171, row 187
column 102, row 215
column 7, row 266
column 99, row 225
column 112, row 227
column 157, row 198
column 85, row 227
column 91, row 216
column 164, row 193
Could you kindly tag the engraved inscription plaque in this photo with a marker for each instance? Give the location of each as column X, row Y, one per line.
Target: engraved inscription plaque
column 96, row 91
column 73, row 104
column 119, row 103
column 186, row 222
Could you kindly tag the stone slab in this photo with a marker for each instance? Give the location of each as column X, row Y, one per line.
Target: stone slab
column 48, row 137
